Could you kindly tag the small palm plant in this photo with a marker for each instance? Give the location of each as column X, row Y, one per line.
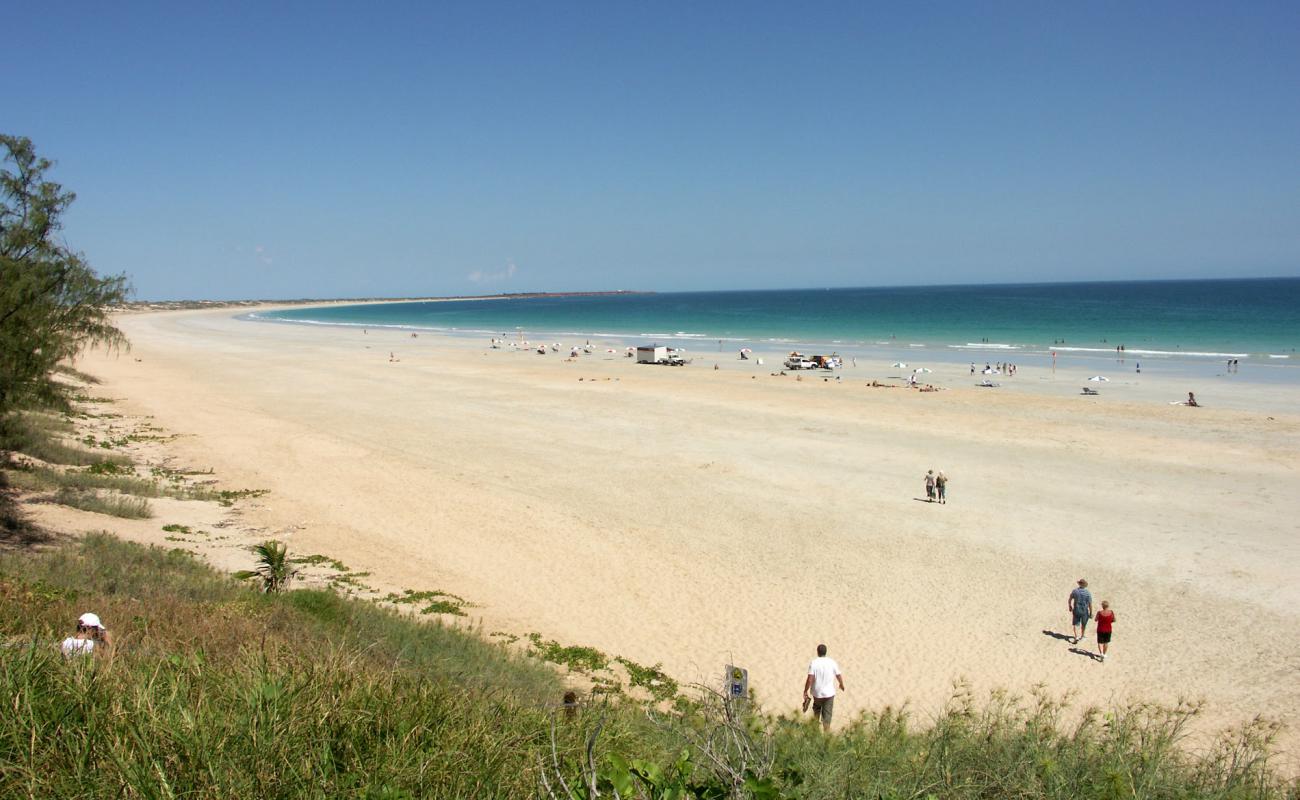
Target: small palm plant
column 273, row 567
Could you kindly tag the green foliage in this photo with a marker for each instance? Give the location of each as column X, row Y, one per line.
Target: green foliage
column 273, row 567
column 316, row 559
column 108, row 468
column 37, row 478
column 174, row 528
column 652, row 679
column 575, row 657
column 215, row 692
column 115, row 505
column 52, row 305
column 435, row 602
column 227, row 497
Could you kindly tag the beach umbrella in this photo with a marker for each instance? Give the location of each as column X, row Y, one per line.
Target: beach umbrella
column 922, row 369
column 899, row 364
column 746, row 350
column 1099, row 378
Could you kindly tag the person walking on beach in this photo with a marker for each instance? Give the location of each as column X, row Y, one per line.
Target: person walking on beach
column 929, row 486
column 1080, row 604
column 941, row 486
column 819, row 686
column 1105, row 619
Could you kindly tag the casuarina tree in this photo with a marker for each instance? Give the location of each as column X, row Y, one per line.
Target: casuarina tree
column 52, row 304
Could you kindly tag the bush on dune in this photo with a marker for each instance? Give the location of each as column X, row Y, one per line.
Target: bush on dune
column 217, row 690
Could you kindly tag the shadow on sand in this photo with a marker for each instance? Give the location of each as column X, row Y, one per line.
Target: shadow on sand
column 1081, row 652
column 1065, row 637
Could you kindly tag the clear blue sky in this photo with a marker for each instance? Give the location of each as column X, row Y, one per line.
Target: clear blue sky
column 272, row 149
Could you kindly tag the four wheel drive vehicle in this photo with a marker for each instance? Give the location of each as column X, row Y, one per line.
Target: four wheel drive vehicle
column 801, row 361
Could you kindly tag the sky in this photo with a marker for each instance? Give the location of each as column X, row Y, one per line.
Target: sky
column 285, row 150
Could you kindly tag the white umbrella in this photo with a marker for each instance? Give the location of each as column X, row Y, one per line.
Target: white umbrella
column 1099, row 378
column 922, row 369
column 899, row 364
column 746, row 350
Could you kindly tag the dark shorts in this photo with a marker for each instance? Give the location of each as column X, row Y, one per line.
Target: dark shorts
column 1103, row 638
column 823, row 708
column 1081, row 617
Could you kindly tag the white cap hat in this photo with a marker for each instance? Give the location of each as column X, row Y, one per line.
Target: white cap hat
column 89, row 620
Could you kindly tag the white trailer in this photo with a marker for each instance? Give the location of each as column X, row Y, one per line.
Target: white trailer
column 651, row 354
column 659, row 354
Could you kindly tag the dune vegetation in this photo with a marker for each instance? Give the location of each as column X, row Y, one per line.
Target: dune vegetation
column 217, row 689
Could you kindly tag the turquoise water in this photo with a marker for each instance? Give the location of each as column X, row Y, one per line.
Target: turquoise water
column 1218, row 319
column 1256, row 320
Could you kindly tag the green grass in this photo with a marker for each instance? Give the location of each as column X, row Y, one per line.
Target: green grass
column 46, row 478
column 39, row 435
column 117, row 478
column 219, row 691
column 115, row 505
column 76, row 374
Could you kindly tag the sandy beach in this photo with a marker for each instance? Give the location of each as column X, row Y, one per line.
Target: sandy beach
column 699, row 517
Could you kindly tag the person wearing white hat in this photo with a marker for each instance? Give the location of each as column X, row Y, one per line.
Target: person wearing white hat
column 91, row 635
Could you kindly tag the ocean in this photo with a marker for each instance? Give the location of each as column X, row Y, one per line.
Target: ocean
column 1255, row 320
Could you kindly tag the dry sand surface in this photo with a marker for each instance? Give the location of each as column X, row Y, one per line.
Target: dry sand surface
column 697, row 517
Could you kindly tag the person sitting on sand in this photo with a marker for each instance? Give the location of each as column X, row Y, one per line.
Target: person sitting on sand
column 929, row 486
column 1105, row 619
column 1080, row 605
column 1191, row 399
column 91, row 638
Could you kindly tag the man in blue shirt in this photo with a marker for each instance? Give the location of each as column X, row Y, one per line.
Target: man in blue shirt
column 1080, row 605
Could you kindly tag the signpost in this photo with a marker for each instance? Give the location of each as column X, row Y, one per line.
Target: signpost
column 737, row 683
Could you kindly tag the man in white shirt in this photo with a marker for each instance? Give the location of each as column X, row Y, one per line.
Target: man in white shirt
column 823, row 674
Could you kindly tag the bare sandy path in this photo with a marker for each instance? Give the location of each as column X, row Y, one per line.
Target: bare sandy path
column 693, row 516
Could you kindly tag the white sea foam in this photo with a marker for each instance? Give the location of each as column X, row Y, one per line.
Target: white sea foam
column 1130, row 351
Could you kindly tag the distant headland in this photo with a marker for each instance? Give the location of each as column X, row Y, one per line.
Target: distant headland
column 179, row 305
